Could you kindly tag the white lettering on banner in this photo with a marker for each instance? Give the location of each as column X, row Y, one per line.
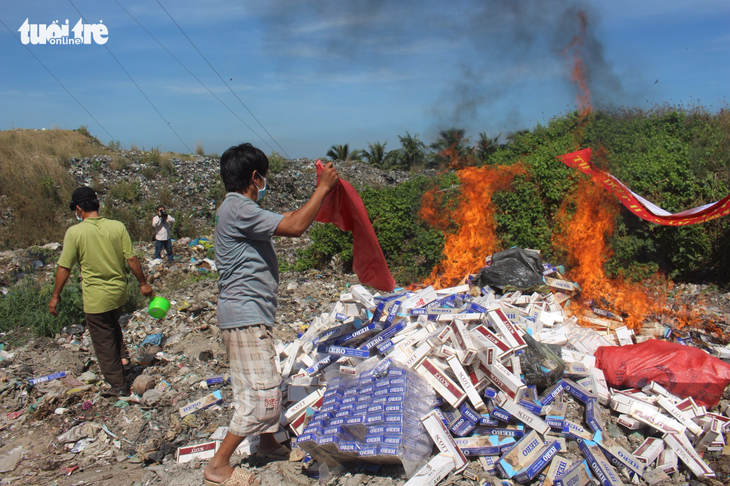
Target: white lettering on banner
column 56, row 33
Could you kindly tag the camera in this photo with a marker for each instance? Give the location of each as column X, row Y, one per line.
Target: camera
column 163, row 215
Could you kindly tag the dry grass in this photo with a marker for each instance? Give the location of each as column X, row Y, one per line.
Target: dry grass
column 34, row 177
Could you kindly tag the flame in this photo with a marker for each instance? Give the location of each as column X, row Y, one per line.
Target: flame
column 476, row 235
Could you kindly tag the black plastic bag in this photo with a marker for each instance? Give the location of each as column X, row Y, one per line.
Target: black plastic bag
column 541, row 365
column 513, row 269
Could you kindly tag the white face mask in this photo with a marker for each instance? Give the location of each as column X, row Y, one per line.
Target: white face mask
column 78, row 217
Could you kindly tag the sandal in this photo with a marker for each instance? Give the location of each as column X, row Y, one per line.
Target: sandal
column 240, row 477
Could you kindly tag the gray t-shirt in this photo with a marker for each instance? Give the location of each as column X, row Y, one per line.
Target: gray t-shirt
column 246, row 261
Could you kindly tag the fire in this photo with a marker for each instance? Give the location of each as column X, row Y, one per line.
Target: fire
column 476, row 235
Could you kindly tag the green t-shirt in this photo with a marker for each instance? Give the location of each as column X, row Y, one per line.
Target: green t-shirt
column 101, row 246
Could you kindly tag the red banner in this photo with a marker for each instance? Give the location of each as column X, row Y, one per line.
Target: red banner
column 644, row 209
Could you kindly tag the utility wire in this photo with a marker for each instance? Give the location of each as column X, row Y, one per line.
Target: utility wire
column 193, row 75
column 135, row 83
column 59, row 82
column 224, row 81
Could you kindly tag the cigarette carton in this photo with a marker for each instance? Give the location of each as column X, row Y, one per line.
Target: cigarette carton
column 686, row 453
column 507, row 330
column 464, row 344
column 551, row 393
column 197, row 451
column 522, row 414
column 599, row 385
column 443, row 385
column 300, row 407
column 558, row 284
column 42, row 379
column 660, row 422
column 621, row 457
column 649, row 450
column 418, row 355
column 593, row 416
column 443, row 440
column 522, row 454
column 556, row 416
column 578, row 391
column 711, row 432
column 205, row 402
column 466, row 384
column 668, row 461
column 598, row 463
column 629, row 422
column 575, row 431
column 672, row 410
column 540, row 462
column 501, row 376
column 420, row 299
column 483, row 445
column 623, row 334
column 362, row 295
column 433, row 472
column 576, row 371
column 558, row 466
column 343, row 351
column 487, row 463
column 576, row 475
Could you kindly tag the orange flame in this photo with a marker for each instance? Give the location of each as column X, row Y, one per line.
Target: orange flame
column 476, row 236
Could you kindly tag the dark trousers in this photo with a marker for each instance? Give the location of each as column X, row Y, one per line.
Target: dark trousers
column 106, row 335
column 168, row 248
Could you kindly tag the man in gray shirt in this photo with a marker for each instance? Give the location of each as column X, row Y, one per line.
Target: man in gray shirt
column 249, row 281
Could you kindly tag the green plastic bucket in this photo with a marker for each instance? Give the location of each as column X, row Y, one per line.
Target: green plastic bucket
column 159, row 306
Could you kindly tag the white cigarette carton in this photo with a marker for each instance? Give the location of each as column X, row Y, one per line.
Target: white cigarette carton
column 293, row 351
column 687, row 454
column 649, row 450
column 657, row 420
column 599, row 385
column 522, row 414
column 489, row 339
column 507, row 330
column 205, row 402
column 465, row 382
column 443, row 385
column 623, row 334
column 557, row 468
column 362, row 295
column 299, row 408
column 197, row 451
column 433, row 472
column 443, row 440
column 668, row 461
column 672, row 410
column 462, row 341
column 501, row 376
column 418, row 355
column 420, row 299
column 629, row 422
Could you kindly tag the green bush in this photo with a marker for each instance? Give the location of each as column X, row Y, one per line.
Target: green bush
column 276, row 162
column 26, row 307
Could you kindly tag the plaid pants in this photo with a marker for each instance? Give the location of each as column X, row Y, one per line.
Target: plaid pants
column 256, row 382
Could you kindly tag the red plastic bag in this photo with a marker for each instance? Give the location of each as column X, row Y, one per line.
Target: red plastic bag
column 344, row 208
column 682, row 370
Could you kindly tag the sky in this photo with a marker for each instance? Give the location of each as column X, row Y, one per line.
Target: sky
column 298, row 76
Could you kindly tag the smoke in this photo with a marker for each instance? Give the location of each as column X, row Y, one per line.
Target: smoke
column 490, row 46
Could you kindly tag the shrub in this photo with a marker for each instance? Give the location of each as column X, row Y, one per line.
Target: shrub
column 124, row 191
column 199, row 148
column 276, row 162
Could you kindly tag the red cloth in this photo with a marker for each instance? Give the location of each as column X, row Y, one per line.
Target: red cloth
column 344, row 208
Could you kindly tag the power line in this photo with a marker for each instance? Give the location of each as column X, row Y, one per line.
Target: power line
column 193, row 75
column 59, row 82
column 224, row 81
column 135, row 83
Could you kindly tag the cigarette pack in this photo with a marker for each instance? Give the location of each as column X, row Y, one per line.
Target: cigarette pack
column 558, row 284
column 629, row 422
column 443, row 385
column 576, row 371
column 672, row 410
column 197, row 451
column 598, row 463
column 624, row 458
column 711, row 432
column 522, row 454
column 443, row 440
column 551, row 393
column 668, row 461
column 556, row 416
column 593, row 416
column 433, row 472
column 686, row 453
column 205, row 402
column 418, row 355
column 420, row 299
column 362, row 295
column 575, row 431
column 576, row 475
column 540, row 462
column 522, row 414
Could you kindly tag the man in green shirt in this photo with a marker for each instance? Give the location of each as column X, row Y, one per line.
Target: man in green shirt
column 100, row 246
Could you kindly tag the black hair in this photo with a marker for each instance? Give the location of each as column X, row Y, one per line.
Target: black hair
column 238, row 164
column 160, row 206
column 88, row 205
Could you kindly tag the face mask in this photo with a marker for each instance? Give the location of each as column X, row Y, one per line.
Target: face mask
column 78, row 217
column 262, row 192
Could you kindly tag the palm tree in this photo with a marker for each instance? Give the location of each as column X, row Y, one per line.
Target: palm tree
column 451, row 147
column 377, row 154
column 411, row 154
column 342, row 152
column 486, row 146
